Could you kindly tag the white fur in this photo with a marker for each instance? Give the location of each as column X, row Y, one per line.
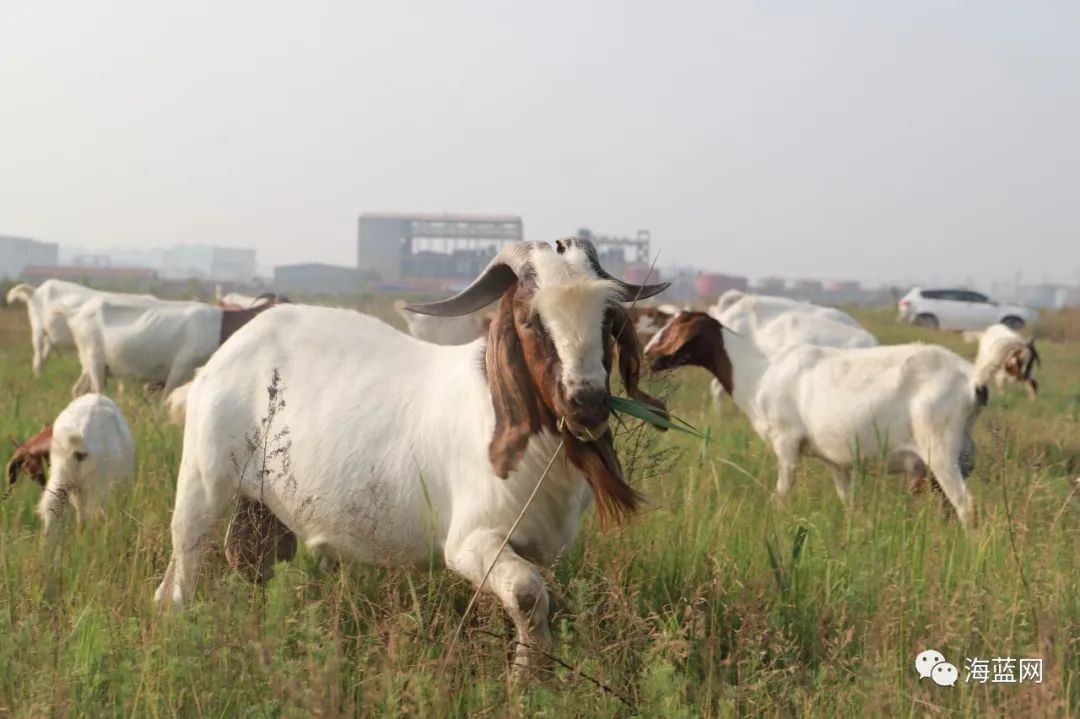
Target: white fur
column 776, row 323
column 47, row 307
column 144, row 337
column 176, row 404
column 905, row 403
column 388, row 449
column 94, row 427
column 442, row 330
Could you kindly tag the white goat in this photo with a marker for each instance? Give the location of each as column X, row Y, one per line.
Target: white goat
column 151, row 339
column 92, row 451
column 46, row 308
column 400, row 451
column 776, row 323
column 442, row 330
column 912, row 404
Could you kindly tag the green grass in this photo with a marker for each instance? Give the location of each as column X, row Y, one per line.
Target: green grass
column 700, row 606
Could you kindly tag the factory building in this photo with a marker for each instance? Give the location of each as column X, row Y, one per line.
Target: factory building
column 451, row 247
column 18, row 253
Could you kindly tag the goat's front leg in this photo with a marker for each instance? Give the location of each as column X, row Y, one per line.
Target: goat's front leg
column 518, row 585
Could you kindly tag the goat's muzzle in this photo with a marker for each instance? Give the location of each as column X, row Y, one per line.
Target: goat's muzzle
column 587, row 418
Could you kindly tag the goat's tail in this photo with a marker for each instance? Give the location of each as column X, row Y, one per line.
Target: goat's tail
column 20, row 293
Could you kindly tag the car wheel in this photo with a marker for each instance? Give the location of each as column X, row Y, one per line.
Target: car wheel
column 927, row 321
column 1014, row 323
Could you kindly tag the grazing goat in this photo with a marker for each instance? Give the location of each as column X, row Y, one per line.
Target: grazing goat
column 911, row 404
column 89, row 449
column 151, row 339
column 1008, row 357
column 776, row 323
column 443, row 330
column 46, row 308
column 399, row 452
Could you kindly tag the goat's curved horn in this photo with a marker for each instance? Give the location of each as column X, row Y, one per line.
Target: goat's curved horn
column 503, row 270
column 627, row 292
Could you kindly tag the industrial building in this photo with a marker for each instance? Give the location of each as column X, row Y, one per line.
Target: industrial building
column 397, row 246
column 205, row 262
column 425, row 250
column 18, row 253
column 318, row 278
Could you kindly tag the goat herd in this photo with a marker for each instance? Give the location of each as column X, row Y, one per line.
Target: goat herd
column 374, row 446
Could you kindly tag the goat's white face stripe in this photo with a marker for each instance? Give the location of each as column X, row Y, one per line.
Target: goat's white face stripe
column 571, row 302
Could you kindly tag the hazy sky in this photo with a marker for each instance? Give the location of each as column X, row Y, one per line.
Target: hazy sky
column 863, row 139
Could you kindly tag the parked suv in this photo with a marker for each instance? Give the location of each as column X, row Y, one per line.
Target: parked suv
column 960, row 310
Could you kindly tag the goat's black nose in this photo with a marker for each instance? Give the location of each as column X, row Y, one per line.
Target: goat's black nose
column 591, row 398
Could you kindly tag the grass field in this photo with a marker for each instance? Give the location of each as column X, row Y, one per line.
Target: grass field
column 680, row 612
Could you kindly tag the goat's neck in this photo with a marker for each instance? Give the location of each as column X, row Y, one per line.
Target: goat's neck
column 748, row 367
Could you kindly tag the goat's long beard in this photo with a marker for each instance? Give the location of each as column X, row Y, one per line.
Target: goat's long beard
column 615, row 499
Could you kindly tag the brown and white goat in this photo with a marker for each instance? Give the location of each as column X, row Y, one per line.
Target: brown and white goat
column 400, row 452
column 911, row 404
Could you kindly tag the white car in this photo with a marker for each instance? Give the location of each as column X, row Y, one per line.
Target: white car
column 952, row 309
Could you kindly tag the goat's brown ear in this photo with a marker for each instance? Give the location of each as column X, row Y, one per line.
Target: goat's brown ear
column 628, row 358
column 517, row 414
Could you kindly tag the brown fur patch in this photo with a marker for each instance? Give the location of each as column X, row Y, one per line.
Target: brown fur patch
column 694, row 338
column 32, row 457
column 233, row 320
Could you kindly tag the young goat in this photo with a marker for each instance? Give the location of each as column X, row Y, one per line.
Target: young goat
column 89, row 449
column 912, row 404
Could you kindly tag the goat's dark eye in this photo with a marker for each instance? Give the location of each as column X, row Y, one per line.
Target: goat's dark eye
column 80, row 456
column 560, row 246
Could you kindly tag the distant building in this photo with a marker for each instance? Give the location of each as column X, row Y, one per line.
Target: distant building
column 453, row 247
column 119, row 278
column 806, row 289
column 770, row 286
column 641, row 274
column 205, row 262
column 1048, row 296
column 17, row 253
column 711, row 285
column 318, row 278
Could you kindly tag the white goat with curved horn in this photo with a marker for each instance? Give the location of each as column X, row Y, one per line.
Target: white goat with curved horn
column 398, row 447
